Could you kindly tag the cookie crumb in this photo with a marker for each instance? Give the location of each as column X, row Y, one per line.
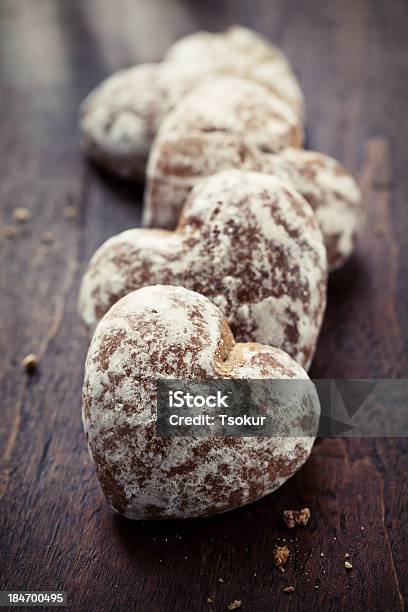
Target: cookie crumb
column 296, row 517
column 346, row 555
column 29, row 362
column 21, row 214
column 47, row 237
column 220, row 580
column 289, row 589
column 280, row 556
column 322, row 554
column 70, row 212
column 237, row 603
column 348, row 565
column 210, row 600
column 9, row 231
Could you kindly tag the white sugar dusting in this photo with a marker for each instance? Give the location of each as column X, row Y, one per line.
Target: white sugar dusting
column 184, row 153
column 241, row 52
column 271, row 281
column 120, row 117
column 236, row 106
column 145, row 476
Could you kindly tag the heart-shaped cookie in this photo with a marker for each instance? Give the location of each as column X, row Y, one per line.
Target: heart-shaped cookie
column 244, row 53
column 246, row 240
column 121, row 116
column 170, row 332
column 220, row 125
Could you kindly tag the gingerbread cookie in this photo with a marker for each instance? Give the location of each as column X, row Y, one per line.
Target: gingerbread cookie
column 220, row 125
column 241, row 52
column 171, row 332
column 247, row 241
column 120, row 117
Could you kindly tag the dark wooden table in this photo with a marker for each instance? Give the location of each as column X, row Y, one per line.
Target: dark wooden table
column 56, row 532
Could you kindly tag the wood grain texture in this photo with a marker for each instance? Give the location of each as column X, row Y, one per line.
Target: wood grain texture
column 56, row 531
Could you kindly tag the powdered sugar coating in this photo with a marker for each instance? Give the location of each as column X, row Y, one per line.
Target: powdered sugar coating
column 241, row 52
column 195, row 141
column 121, row 116
column 332, row 193
column 170, row 332
column 247, row 241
